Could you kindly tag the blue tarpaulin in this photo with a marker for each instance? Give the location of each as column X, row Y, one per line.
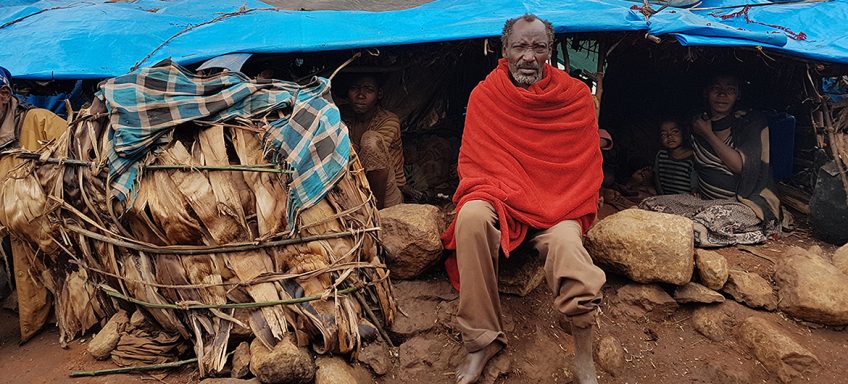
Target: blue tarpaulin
column 96, row 39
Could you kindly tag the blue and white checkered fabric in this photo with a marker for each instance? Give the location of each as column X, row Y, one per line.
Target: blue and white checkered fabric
column 146, row 105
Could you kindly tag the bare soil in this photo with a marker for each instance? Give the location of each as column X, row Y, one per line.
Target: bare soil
column 540, row 350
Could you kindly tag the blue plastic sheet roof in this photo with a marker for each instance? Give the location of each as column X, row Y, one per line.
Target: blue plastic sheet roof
column 96, row 39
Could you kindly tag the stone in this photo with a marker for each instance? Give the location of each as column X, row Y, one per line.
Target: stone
column 779, row 353
column 102, row 345
column 811, row 289
column 429, row 352
column 241, row 361
column 646, row 300
column 418, row 316
column 697, row 293
column 645, row 246
column 840, row 259
column 333, row 370
column 521, row 273
column 229, row 380
column 609, row 355
column 285, row 364
column 376, row 356
column 712, row 268
column 411, row 234
column 714, row 322
column 423, row 302
column 718, row 371
column 439, row 289
column 750, row 289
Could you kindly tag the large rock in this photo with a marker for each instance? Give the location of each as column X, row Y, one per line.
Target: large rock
column 750, row 289
column 521, row 273
column 716, row 322
column 812, row 289
column 411, row 234
column 376, row 356
column 241, row 361
column 712, row 268
column 333, row 370
column 697, row 293
column 840, row 259
column 648, row 247
column 609, row 355
column 646, row 300
column 229, row 380
column 285, row 364
column 102, row 345
column 422, row 306
column 779, row 353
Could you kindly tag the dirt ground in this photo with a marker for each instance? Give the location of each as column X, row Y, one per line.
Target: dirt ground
column 540, row 351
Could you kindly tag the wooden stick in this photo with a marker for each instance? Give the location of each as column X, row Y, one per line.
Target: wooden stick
column 203, row 250
column 185, row 307
column 373, row 319
column 140, row 368
column 242, row 168
column 755, row 252
column 270, row 168
column 834, row 147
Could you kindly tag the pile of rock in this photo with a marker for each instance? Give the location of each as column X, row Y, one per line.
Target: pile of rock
column 655, row 251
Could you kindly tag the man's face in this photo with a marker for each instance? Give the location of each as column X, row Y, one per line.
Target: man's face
column 527, row 51
column 722, row 94
column 363, row 95
column 670, row 135
column 5, row 98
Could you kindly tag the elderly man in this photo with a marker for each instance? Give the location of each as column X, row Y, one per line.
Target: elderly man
column 529, row 168
column 375, row 134
column 22, row 126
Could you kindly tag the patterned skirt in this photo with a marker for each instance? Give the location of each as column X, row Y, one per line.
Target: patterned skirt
column 717, row 223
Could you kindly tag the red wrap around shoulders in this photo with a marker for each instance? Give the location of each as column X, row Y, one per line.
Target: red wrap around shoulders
column 534, row 154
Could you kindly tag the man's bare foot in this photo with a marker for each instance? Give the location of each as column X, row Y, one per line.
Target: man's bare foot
column 469, row 371
column 584, row 365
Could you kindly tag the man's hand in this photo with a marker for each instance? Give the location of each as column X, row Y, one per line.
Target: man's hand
column 703, row 127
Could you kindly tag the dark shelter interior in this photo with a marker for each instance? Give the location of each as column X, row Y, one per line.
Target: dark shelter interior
column 643, row 82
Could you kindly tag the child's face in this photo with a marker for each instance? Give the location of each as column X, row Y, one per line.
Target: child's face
column 670, row 135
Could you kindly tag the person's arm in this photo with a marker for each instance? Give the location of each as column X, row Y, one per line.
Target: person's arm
column 729, row 156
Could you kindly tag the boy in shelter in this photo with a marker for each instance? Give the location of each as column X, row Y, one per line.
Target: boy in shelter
column 674, row 170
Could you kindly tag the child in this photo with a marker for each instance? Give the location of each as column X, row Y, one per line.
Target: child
column 673, row 167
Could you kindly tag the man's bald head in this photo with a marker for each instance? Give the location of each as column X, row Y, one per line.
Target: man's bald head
column 529, row 18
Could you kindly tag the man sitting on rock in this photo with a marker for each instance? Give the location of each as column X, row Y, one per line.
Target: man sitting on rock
column 375, row 134
column 529, row 168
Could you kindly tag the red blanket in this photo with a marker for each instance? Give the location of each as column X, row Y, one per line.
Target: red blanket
column 532, row 153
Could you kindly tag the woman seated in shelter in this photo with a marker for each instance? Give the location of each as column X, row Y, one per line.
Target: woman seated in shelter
column 738, row 203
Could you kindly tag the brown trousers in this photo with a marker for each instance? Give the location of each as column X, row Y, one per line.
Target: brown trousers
column 374, row 155
column 569, row 271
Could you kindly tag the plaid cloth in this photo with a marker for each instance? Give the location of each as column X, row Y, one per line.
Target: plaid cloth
column 146, row 105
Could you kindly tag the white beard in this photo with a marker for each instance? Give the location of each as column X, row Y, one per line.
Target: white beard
column 526, row 80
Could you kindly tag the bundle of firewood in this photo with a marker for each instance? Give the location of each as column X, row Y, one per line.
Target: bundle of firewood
column 203, row 247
